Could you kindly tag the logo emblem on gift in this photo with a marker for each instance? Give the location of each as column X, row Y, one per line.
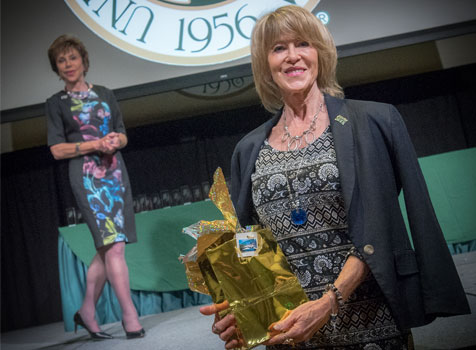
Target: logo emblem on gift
column 247, row 244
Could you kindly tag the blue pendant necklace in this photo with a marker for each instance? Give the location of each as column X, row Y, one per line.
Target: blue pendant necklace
column 298, row 212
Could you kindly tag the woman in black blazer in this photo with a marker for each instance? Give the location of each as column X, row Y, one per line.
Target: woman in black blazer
column 325, row 174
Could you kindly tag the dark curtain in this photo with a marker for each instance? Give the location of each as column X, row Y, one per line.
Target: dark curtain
column 186, row 152
column 437, row 107
column 30, row 211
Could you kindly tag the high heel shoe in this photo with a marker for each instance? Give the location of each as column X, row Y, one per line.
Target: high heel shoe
column 136, row 334
column 94, row 335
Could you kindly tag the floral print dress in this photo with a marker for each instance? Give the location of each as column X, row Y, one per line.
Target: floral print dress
column 99, row 182
column 318, row 249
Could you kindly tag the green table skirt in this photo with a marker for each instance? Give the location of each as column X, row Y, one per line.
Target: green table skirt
column 73, row 287
column 451, row 181
column 157, row 278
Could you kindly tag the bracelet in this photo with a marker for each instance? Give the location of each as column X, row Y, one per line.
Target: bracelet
column 78, row 151
column 334, row 312
column 340, row 299
column 354, row 252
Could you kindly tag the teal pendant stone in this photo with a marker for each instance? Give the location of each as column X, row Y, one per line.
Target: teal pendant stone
column 298, row 216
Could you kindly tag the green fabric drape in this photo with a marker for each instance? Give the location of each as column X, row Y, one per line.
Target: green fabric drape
column 451, row 181
column 73, row 285
column 157, row 278
column 153, row 261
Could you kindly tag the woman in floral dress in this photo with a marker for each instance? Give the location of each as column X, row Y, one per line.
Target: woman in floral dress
column 85, row 126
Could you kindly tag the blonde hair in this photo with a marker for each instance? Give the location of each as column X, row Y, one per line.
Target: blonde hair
column 63, row 44
column 302, row 24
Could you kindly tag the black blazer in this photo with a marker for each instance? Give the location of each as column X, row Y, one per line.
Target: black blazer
column 376, row 159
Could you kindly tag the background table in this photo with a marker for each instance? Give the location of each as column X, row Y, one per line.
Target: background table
column 157, row 277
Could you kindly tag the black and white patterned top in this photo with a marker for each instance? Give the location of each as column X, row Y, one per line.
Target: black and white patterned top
column 318, row 249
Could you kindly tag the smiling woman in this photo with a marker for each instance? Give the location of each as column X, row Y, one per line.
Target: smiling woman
column 85, row 126
column 306, row 35
column 325, row 174
column 70, row 61
column 70, row 68
column 293, row 65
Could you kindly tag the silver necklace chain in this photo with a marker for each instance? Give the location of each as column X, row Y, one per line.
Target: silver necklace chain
column 296, row 194
column 295, row 142
column 298, row 211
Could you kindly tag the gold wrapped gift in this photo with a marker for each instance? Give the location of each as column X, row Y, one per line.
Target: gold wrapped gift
column 246, row 267
column 209, row 234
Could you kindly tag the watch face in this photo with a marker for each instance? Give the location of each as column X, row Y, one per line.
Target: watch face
column 178, row 32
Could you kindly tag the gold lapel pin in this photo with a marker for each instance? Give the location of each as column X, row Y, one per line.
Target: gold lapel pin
column 341, row 119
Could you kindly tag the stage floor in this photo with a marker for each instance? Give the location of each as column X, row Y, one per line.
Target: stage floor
column 188, row 329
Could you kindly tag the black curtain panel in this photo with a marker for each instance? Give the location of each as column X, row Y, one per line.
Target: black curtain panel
column 438, row 107
column 30, row 212
column 174, row 162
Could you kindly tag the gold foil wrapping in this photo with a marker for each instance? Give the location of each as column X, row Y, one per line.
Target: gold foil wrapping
column 260, row 289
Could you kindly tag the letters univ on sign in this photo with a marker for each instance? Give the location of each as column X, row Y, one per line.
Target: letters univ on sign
column 178, row 32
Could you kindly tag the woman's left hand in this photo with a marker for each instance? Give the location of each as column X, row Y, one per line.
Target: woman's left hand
column 302, row 323
column 111, row 143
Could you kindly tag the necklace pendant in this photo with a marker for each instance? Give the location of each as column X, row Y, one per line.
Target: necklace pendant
column 294, row 143
column 298, row 216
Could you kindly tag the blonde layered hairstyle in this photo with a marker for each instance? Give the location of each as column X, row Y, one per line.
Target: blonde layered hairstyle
column 303, row 25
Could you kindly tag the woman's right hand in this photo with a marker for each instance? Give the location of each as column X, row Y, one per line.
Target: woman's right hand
column 224, row 327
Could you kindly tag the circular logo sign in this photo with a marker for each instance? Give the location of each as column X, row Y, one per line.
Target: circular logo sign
column 178, row 32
